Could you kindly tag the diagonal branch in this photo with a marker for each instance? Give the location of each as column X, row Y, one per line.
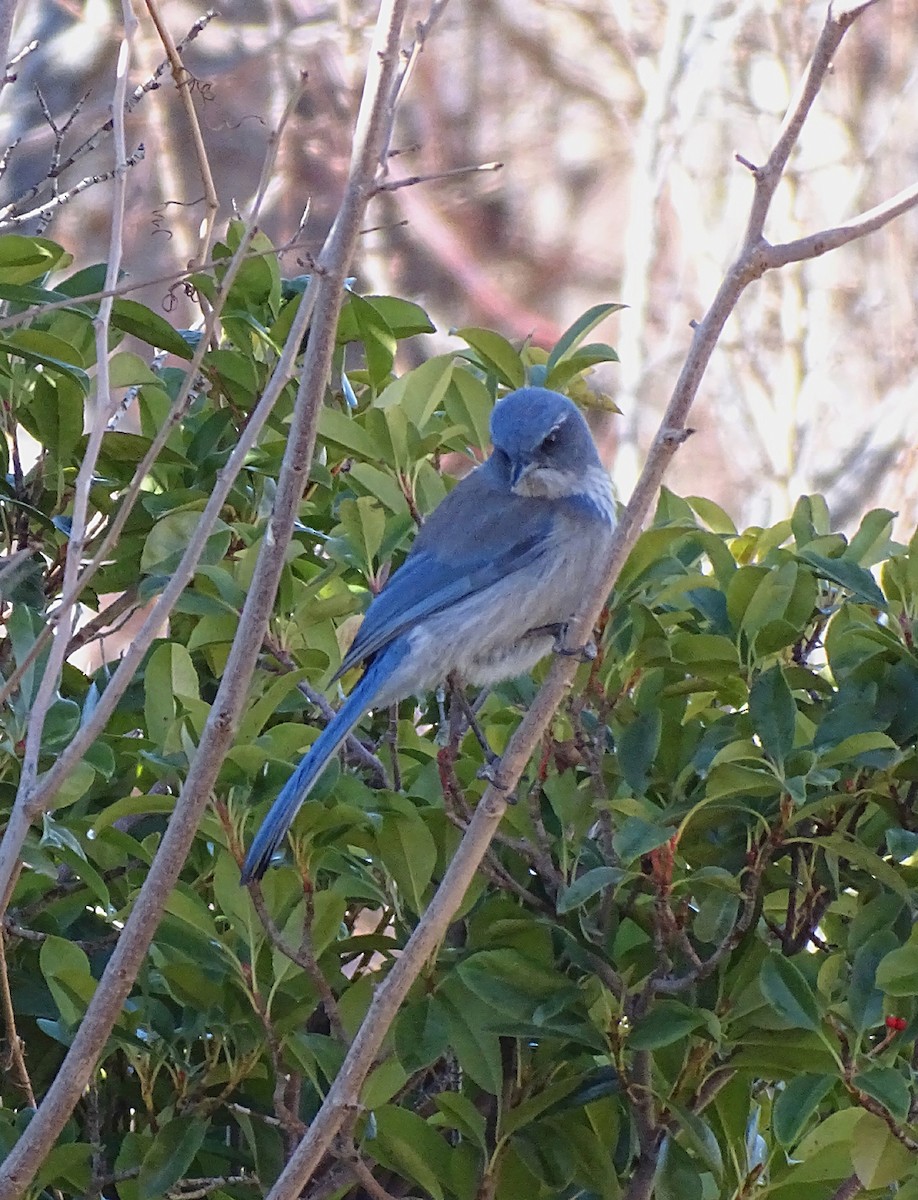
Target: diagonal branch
column 815, row 244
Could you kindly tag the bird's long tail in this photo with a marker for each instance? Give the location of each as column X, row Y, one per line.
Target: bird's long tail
column 297, row 788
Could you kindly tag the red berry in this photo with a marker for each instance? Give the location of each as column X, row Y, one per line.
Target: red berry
column 896, row 1024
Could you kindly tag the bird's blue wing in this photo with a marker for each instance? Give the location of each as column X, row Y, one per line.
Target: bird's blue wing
column 479, row 534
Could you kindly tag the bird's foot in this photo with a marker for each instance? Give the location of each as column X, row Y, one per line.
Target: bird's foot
column 585, row 653
column 489, row 772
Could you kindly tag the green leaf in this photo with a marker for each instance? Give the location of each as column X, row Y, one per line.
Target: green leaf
column 468, row 404
column 407, row 1144
column 363, row 523
column 149, row 327
column 700, row 1138
column 44, row 350
column 579, row 361
column 854, row 851
column 878, row 1158
column 667, row 1022
column 855, row 579
column 897, row 973
column 536, row 1106
column 23, row 259
column 774, row 713
column 346, row 431
column 476, row 1047
column 379, row 343
column 636, row 836
column 587, row 885
column 797, row 1103
column 421, row 1034
column 871, row 543
column 787, row 991
column 888, row 1087
column 65, row 968
column 169, row 676
column 405, row 318
column 865, row 998
column 637, row 748
column 172, row 1153
column 677, row 1177
column 168, row 540
column 128, row 370
column 507, row 981
column 460, row 1113
column 420, row 392
column 574, row 334
column 496, row 354
column 408, row 852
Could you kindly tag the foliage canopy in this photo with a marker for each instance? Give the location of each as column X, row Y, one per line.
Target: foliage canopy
column 696, row 928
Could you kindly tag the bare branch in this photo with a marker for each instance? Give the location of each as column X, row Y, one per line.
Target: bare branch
column 304, row 957
column 62, row 198
column 815, row 244
column 847, row 1190
column 16, row 1063
column 392, row 185
column 183, row 82
column 99, row 410
column 7, row 16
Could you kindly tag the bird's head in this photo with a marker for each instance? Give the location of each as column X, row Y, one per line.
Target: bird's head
column 542, row 444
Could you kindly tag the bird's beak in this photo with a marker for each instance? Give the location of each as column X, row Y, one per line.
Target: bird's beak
column 520, row 469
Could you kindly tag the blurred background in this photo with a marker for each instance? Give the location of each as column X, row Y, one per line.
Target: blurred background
column 616, row 124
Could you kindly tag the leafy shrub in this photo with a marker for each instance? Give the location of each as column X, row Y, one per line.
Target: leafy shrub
column 695, row 931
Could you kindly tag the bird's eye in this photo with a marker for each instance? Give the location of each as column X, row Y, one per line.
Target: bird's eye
column 551, row 440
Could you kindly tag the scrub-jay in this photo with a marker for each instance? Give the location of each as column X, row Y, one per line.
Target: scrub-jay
column 495, row 572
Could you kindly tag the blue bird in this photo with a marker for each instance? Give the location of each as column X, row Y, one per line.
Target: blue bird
column 495, row 572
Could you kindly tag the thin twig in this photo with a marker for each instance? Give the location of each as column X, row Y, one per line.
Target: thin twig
column 61, row 198
column 851, row 1187
column 134, row 285
column 15, row 1051
column 304, row 957
column 99, row 409
column 183, row 82
column 354, row 749
column 815, row 244
column 96, row 138
column 7, row 16
column 392, row 185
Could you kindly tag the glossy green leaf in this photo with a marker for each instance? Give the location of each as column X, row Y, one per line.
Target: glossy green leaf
column 23, row 259
column 168, row 1159
column 797, row 1103
column 586, row 886
column 897, row 973
column 149, row 327
column 773, row 713
column 495, row 353
column 785, row 988
column 574, row 334
column 408, row 1145
column 878, row 1158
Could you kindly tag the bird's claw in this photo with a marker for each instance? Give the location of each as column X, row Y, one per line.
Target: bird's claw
column 489, row 772
column 585, row 653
